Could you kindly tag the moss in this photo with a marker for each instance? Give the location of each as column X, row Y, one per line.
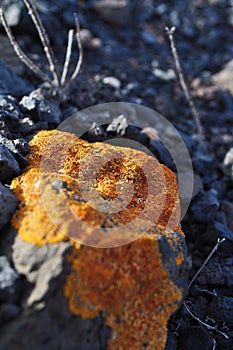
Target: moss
column 128, row 284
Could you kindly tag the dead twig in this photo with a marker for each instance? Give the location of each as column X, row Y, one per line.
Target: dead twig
column 58, row 84
column 170, row 33
column 219, row 242
column 204, row 323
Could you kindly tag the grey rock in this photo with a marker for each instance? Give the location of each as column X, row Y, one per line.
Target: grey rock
column 39, row 265
column 9, row 110
column 45, row 320
column 118, row 125
column 165, row 76
column 11, row 84
column 114, row 11
column 12, row 10
column 29, row 258
column 41, row 109
column 228, row 162
column 9, row 167
column 8, row 281
column 224, row 78
column 8, row 204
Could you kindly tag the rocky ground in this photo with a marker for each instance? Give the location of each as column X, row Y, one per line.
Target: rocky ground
column 127, row 58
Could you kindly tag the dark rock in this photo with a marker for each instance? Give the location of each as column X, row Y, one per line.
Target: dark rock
column 11, row 84
column 8, row 204
column 96, row 133
column 9, row 109
column 221, row 309
column 225, row 344
column 211, row 234
column 194, row 338
column 212, row 274
column 171, row 343
column 149, row 38
column 227, row 208
column 204, row 206
column 9, row 167
column 24, row 127
column 9, row 282
column 203, row 163
column 41, row 109
column 8, row 311
column 16, row 147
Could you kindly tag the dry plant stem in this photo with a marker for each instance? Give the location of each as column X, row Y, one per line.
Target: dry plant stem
column 219, row 242
column 67, row 58
column 80, row 59
column 19, row 52
column 204, row 323
column 170, row 33
column 44, row 39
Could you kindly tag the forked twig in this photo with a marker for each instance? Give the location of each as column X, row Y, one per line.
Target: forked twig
column 32, row 11
column 170, row 33
column 58, row 83
column 19, row 52
column 219, row 242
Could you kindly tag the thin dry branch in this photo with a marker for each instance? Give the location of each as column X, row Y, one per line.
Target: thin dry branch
column 32, row 11
column 19, row 52
column 170, row 33
column 204, row 323
column 67, row 58
column 80, row 59
column 217, row 245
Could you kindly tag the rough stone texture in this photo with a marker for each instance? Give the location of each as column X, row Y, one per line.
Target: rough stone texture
column 11, row 84
column 39, row 265
column 8, row 281
column 40, row 108
column 107, row 289
column 8, row 204
column 9, row 167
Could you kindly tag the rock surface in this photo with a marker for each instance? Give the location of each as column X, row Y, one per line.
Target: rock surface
column 8, row 204
column 99, row 290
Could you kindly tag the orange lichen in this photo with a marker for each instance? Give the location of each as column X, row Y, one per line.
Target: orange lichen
column 128, row 285
column 56, row 155
column 131, row 289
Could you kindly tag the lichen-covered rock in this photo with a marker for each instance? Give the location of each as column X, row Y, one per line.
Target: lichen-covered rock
column 134, row 285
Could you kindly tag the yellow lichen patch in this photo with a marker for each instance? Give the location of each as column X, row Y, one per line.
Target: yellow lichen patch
column 47, row 215
column 131, row 289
